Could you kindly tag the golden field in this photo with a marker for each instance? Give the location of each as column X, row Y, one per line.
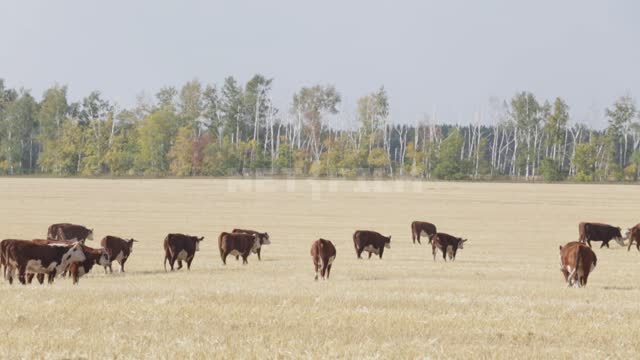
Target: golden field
column 504, row 296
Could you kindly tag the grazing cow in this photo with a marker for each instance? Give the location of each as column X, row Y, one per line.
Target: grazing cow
column 323, row 253
column 576, row 262
column 179, row 247
column 27, row 256
column 66, row 231
column 599, row 232
column 119, row 250
column 448, row 244
column 633, row 234
column 239, row 244
column 98, row 257
column 262, row 237
column 371, row 241
column 422, row 228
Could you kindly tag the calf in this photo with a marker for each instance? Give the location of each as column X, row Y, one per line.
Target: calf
column 239, row 244
column 93, row 257
column 576, row 262
column 323, row 253
column 72, row 232
column 179, row 247
column 599, row 232
column 262, row 237
column 119, row 250
column 422, row 228
column 27, row 256
column 448, row 244
column 633, row 234
column 370, row 241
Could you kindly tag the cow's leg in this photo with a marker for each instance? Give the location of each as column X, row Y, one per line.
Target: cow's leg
column 444, row 253
column 179, row 264
column 369, row 254
column 603, row 244
column 124, row 260
column 41, row 278
column 30, row 278
column 244, row 259
column 589, row 242
column 381, row 252
column 22, row 271
column 328, row 270
column 223, row 255
column 630, row 243
column 413, row 236
column 172, row 260
column 258, row 253
column 430, row 237
column 315, row 268
column 50, row 277
column 455, row 250
column 433, row 251
column 638, row 245
column 359, row 253
column 237, row 257
column 189, row 260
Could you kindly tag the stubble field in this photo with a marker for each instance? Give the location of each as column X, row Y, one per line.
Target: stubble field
column 504, row 296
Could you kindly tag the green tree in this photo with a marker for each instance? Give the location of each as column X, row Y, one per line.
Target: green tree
column 584, row 162
column 311, row 105
column 182, row 151
column 154, row 142
column 449, row 165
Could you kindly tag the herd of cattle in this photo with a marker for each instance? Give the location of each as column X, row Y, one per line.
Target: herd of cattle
column 64, row 251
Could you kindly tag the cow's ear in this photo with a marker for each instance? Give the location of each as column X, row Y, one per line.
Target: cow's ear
column 201, row 238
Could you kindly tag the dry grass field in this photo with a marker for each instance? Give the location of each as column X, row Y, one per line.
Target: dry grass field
column 504, row 296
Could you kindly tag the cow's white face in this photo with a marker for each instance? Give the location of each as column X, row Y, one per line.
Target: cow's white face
column 197, row 245
column 104, row 259
column 461, row 243
column 264, row 239
column 619, row 240
column 90, row 236
column 74, row 254
column 256, row 243
column 387, row 243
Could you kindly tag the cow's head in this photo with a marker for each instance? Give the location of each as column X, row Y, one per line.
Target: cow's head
column 90, row 235
column 130, row 244
column 104, row 259
column 618, row 236
column 387, row 242
column 73, row 254
column 264, row 239
column 461, row 243
column 198, row 239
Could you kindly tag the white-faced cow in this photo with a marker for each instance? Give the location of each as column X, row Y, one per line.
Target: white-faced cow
column 589, row 231
column 370, row 241
column 633, row 234
column 262, row 237
column 577, row 261
column 27, row 256
column 323, row 253
column 239, row 244
column 449, row 245
column 180, row 247
column 71, row 232
column 98, row 257
column 423, row 228
column 119, row 250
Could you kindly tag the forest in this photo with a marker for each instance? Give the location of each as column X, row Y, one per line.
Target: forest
column 236, row 130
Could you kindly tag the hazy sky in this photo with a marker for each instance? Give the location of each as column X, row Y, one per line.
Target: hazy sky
column 447, row 56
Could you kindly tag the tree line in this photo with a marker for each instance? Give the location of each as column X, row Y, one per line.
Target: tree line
column 235, row 129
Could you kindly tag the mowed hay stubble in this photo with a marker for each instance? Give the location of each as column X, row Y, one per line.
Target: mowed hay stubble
column 503, row 297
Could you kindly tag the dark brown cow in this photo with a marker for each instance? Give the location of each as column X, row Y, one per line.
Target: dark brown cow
column 599, row 232
column 370, row 241
column 422, row 228
column 323, row 253
column 72, row 232
column 51, row 275
column 179, row 247
column 262, row 237
column 577, row 261
column 119, row 250
column 27, row 256
column 239, row 244
column 448, row 244
column 98, row 257
column 633, row 234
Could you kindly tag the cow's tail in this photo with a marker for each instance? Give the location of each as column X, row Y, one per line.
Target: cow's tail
column 355, row 241
column 578, row 261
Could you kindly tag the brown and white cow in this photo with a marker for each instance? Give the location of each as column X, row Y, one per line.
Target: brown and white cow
column 239, row 244
column 589, row 231
column 119, row 250
column 27, row 256
column 577, row 261
column 262, row 237
column 323, row 253
column 422, row 228
column 51, row 276
column 633, row 234
column 93, row 256
column 370, row 241
column 71, row 232
column 180, row 247
column 448, row 244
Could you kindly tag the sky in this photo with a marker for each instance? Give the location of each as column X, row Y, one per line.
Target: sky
column 435, row 58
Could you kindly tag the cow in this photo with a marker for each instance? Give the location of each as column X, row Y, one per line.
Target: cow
column 599, row 232
column 633, row 234
column 323, row 253
column 72, row 232
column 238, row 244
column 577, row 261
column 119, row 250
column 422, row 228
column 371, row 241
column 27, row 256
column 449, row 245
column 51, row 275
column 262, row 237
column 180, row 247
column 98, row 257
